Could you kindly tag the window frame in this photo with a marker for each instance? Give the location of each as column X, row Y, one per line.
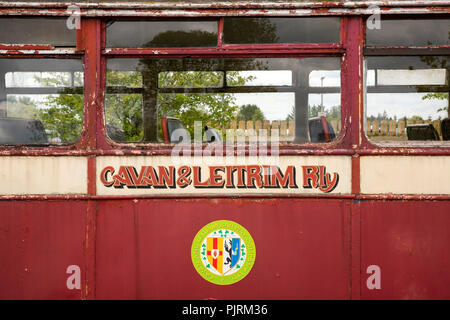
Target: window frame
column 47, row 51
column 301, row 50
column 91, row 48
column 418, row 147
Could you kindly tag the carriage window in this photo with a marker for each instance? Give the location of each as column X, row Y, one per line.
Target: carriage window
column 232, row 98
column 408, row 99
column 161, row 34
column 41, row 101
column 411, row 32
column 190, row 79
column 281, row 30
column 260, row 78
column 51, row 31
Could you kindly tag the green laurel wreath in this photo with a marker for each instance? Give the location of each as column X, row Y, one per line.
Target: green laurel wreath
column 199, row 247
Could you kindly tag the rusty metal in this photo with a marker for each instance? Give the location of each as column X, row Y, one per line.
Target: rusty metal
column 338, row 235
column 176, row 196
column 233, row 50
column 407, row 240
column 222, row 9
column 373, row 149
column 136, row 223
column 354, row 209
column 226, row 5
column 135, row 13
column 26, row 47
column 39, row 240
column 381, row 197
column 404, row 197
column 17, row 52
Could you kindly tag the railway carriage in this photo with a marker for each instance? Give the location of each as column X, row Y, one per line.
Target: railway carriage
column 225, row 150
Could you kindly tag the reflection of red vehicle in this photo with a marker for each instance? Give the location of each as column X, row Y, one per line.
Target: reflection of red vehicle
column 320, row 130
column 168, row 125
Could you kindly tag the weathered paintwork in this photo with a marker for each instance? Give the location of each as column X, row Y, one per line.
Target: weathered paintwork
column 156, row 236
column 38, row 241
column 43, row 175
column 229, row 8
column 405, row 175
column 309, row 246
column 409, row 241
column 202, row 172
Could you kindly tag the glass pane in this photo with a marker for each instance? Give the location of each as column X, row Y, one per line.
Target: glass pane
column 124, row 120
column 326, row 105
column 260, row 78
column 281, row 30
column 41, row 101
column 161, row 34
column 411, row 77
column 325, row 78
column 130, row 79
column 410, row 33
column 52, row 31
column 190, row 79
column 259, row 93
column 38, row 79
column 407, row 98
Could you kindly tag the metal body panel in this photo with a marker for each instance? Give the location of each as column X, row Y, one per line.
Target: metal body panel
column 38, row 241
column 409, row 241
column 301, row 249
column 137, row 246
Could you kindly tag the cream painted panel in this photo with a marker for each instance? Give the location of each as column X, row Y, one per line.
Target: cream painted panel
column 341, row 165
column 43, row 175
column 405, row 174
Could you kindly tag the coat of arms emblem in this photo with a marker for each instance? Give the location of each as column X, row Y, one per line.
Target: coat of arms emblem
column 223, row 252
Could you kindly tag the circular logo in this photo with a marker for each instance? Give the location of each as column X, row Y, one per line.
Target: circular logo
column 223, row 252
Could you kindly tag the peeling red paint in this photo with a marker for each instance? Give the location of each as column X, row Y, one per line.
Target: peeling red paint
column 99, row 226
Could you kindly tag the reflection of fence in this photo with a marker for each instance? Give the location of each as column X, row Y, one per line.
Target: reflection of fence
column 284, row 129
column 395, row 128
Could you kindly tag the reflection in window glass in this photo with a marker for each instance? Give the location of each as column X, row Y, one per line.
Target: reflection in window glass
column 124, row 120
column 260, row 78
column 259, row 93
column 407, row 98
column 43, row 79
column 326, row 105
column 325, row 78
column 370, row 78
column 411, row 77
column 78, row 79
column 415, row 32
column 263, row 110
column 41, row 101
column 61, row 115
column 190, row 79
column 277, row 106
column 129, row 79
column 161, row 34
column 51, row 31
column 281, row 30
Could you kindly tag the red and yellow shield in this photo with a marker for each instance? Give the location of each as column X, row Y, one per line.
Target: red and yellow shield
column 214, row 253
